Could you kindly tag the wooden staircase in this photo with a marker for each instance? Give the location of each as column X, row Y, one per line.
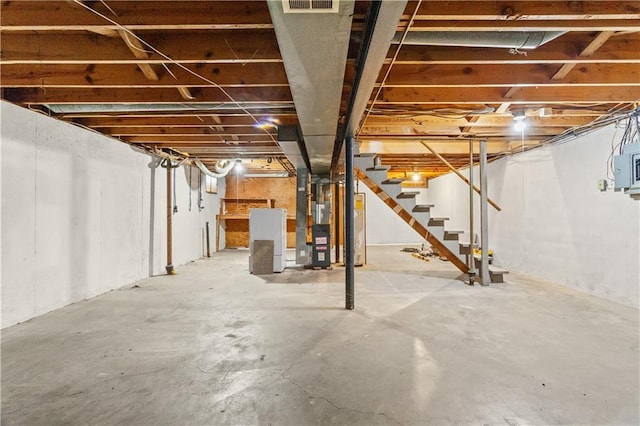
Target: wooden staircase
column 418, row 216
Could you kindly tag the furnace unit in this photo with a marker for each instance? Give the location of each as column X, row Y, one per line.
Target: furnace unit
column 321, row 245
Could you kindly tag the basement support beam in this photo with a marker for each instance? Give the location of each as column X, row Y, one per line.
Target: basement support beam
column 349, row 224
column 302, row 253
column 484, row 224
column 336, row 216
column 169, row 268
column 472, row 268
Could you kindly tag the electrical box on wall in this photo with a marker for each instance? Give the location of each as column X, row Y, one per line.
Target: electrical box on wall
column 626, row 170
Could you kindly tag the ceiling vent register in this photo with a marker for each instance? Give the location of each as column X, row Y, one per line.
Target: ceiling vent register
column 310, row 6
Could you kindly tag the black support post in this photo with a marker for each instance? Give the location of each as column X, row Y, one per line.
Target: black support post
column 208, row 242
column 336, row 216
column 349, row 224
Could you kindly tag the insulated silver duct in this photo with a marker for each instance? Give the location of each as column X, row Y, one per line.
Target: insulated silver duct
column 222, row 168
column 502, row 39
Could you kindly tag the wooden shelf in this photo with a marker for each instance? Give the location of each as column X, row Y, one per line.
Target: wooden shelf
column 243, row 216
column 241, row 206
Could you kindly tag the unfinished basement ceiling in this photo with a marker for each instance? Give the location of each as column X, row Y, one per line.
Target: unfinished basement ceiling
column 206, row 79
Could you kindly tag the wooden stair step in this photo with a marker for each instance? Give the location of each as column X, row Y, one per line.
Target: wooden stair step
column 366, row 154
column 452, row 235
column 422, row 208
column 497, row 270
column 378, row 169
column 410, row 194
column 393, row 181
column 496, row 274
column 438, row 219
column 464, row 248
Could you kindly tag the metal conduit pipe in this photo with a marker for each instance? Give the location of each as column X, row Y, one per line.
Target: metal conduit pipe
column 525, row 40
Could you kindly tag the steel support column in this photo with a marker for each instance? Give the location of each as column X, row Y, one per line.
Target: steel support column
column 472, row 260
column 336, row 217
column 169, row 268
column 484, row 223
column 349, row 224
column 302, row 253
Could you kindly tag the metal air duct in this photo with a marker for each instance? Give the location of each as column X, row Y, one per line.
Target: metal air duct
column 503, row 39
column 314, row 52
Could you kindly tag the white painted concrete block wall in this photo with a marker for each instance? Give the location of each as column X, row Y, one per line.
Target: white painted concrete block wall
column 555, row 224
column 82, row 214
column 386, row 227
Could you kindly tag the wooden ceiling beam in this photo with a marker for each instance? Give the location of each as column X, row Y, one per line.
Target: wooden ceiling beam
column 422, row 120
column 287, row 113
column 437, row 109
column 200, row 139
column 129, row 75
column 225, row 152
column 529, row 10
column 144, row 95
column 209, row 146
column 415, row 147
column 480, row 132
column 527, row 95
column 211, row 47
column 508, row 75
column 481, row 121
column 167, row 131
column 139, row 15
column 530, row 25
column 176, row 121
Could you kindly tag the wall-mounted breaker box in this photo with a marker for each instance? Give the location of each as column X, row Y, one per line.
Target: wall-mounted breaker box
column 626, row 170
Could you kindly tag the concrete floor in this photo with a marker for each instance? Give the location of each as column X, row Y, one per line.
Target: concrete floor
column 215, row 345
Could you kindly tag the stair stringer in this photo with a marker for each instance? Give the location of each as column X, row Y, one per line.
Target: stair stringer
column 411, row 221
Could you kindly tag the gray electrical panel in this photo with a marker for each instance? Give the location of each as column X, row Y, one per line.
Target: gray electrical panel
column 626, row 170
